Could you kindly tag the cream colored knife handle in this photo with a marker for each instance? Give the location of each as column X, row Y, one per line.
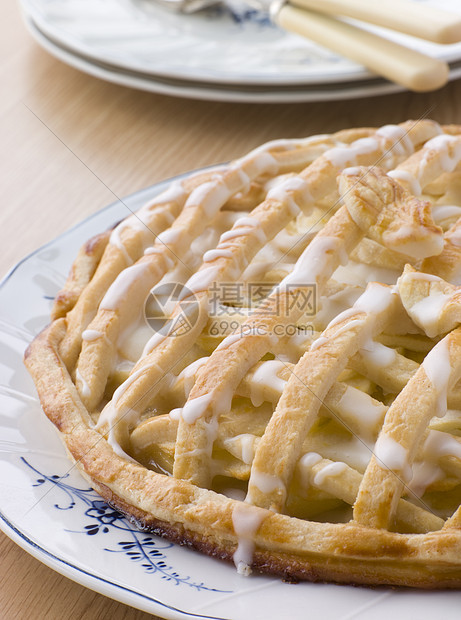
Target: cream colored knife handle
column 395, row 62
column 419, row 20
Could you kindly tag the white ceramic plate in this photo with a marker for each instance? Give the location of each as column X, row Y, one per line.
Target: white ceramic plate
column 219, row 92
column 48, row 509
column 229, row 44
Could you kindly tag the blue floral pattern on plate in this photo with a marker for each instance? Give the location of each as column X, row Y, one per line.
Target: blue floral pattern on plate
column 142, row 548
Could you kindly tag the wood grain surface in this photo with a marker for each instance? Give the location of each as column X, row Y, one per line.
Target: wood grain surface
column 71, row 144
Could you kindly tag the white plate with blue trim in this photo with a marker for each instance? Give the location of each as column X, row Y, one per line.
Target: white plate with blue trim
column 219, row 92
column 49, row 510
column 229, row 44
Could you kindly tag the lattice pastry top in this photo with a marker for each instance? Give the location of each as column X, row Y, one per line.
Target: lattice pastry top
column 264, row 362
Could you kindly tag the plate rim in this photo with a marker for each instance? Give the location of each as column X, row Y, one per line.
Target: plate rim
column 207, row 92
column 30, row 7
column 356, row 73
column 203, row 91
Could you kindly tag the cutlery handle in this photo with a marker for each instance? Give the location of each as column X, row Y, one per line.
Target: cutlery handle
column 393, row 61
column 413, row 18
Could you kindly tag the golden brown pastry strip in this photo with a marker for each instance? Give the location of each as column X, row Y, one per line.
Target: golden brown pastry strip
column 404, row 425
column 306, row 390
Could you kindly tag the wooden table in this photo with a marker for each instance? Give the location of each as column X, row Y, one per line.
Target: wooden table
column 70, row 144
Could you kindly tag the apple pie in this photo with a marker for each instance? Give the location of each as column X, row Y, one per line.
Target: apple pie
column 263, row 363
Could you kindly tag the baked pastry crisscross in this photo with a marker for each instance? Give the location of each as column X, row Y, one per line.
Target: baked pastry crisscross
column 264, row 362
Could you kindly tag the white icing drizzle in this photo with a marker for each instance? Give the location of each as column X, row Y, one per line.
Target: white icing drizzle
column 284, row 144
column 265, row 376
column 334, row 304
column 266, row 483
column 196, row 407
column 360, row 406
column 196, row 452
column 409, row 178
column 242, row 446
column 171, row 235
column 112, row 416
column 247, row 221
column 424, row 474
column 229, row 340
column 234, row 233
column 441, row 144
column 188, row 374
column 417, row 242
column 349, row 325
column 261, row 160
column 330, row 470
column 312, row 262
column 355, row 452
column 246, row 520
column 402, row 143
column 320, row 341
column 305, row 465
column 85, row 388
column 389, row 454
column 377, row 354
column 153, row 249
column 359, row 274
column 437, row 367
column 257, row 163
column 342, row 316
column 202, row 280
column 439, row 444
column 426, row 312
column 345, row 156
column 309, row 459
column 88, row 335
column 244, row 181
column 209, row 196
column 139, row 220
column 174, row 193
column 352, row 171
column 247, row 443
column 285, row 242
column 244, row 226
column 444, row 212
column 119, row 289
column 376, row 298
column 421, row 275
column 243, row 332
column 283, row 192
column 134, row 222
column 124, row 365
column 153, row 342
column 175, row 414
column 129, row 418
column 212, row 255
